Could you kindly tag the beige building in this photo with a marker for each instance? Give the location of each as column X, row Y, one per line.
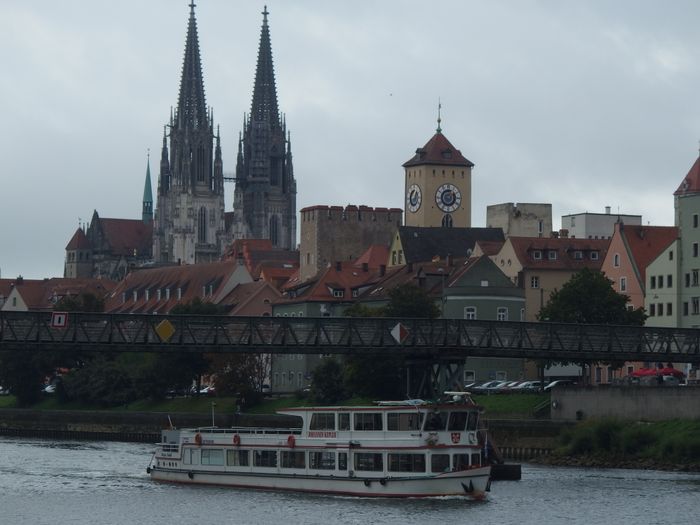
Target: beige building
column 438, row 188
column 520, row 219
column 330, row 234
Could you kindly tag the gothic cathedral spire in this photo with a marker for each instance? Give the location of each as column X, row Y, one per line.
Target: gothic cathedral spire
column 265, row 195
column 147, row 208
column 189, row 219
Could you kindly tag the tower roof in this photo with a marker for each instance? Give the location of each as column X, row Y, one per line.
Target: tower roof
column 438, row 150
column 691, row 182
column 264, row 106
column 79, row 241
column 191, row 105
column 147, row 192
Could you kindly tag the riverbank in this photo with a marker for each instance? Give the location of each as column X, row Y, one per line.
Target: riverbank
column 556, row 460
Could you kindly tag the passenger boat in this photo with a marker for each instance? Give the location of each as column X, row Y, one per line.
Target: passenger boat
column 408, row 448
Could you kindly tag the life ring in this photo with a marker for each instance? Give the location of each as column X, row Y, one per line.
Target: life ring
column 236, row 439
column 198, row 439
column 291, row 441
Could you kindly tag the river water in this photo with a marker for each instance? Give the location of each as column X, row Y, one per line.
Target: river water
column 56, row 482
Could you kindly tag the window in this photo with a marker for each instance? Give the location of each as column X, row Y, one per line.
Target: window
column 594, row 256
column 502, row 313
column 404, row 421
column 669, row 281
column 447, row 221
column 652, row 282
column 695, row 220
column 685, row 308
column 660, row 309
column 293, row 459
column 669, row 308
column 460, row 461
column 338, row 293
column 342, row 460
column 660, row 281
column 578, row 255
column 537, row 255
column 552, row 255
column 695, row 277
column 435, row 421
column 406, row 462
column 469, row 376
column 670, row 255
column 470, row 312
column 652, row 310
column 623, row 284
column 616, row 260
column 457, row 421
column 687, row 280
column 322, row 460
column 696, row 305
column 370, row 462
column 212, row 456
column 440, row 463
column 202, row 225
column 540, row 227
column 265, row 458
column 344, row 421
column 534, row 282
column 695, row 249
column 368, row 421
column 400, row 256
column 322, row 421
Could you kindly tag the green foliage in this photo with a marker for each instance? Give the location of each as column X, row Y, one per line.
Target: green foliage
column 240, row 375
column 361, row 310
column 23, row 373
column 103, row 382
column 85, row 302
column 409, row 301
column 588, row 297
column 198, row 307
column 327, row 385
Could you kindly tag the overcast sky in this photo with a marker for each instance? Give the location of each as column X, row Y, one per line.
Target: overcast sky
column 579, row 104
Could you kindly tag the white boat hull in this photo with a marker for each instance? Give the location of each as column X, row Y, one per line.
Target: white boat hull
column 472, row 483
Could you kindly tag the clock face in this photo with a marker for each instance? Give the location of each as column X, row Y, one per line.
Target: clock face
column 414, row 198
column 448, row 198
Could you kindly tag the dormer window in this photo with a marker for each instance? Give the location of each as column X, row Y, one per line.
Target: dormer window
column 537, row 255
column 337, row 292
column 447, row 154
column 148, row 294
column 552, row 255
column 578, row 255
column 167, row 294
column 158, row 294
column 135, row 295
column 594, row 256
column 179, row 294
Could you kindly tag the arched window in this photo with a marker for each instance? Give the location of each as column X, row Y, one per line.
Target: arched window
column 447, row 221
column 202, row 225
column 273, row 230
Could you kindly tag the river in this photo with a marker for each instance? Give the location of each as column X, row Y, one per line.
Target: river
column 47, row 483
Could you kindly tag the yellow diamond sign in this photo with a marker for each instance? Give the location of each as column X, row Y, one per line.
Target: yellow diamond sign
column 165, row 330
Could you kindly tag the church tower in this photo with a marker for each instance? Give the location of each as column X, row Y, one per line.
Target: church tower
column 189, row 220
column 147, row 205
column 265, row 196
column 438, row 186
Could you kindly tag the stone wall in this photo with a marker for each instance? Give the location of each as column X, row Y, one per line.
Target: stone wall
column 643, row 403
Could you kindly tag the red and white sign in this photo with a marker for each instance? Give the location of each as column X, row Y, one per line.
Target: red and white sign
column 59, row 319
column 455, row 437
column 400, row 333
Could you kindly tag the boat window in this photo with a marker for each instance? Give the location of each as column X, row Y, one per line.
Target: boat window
column 265, row 458
column 473, row 418
column 344, row 421
column 460, row 461
column 190, row 456
column 322, row 421
column 322, row 460
column 212, row 456
column 406, row 462
column 436, row 421
column 368, row 462
column 293, row 459
column 342, row 460
column 368, row 421
column 476, row 459
column 404, row 421
column 237, row 458
column 458, row 421
column 440, row 463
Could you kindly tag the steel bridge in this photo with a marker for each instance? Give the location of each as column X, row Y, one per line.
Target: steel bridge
column 436, row 339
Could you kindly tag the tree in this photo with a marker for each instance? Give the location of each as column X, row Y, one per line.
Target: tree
column 589, row 298
column 411, row 301
column 327, row 382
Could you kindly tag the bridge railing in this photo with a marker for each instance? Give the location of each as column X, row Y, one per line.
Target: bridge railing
column 449, row 338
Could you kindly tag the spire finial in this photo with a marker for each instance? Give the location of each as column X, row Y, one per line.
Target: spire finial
column 192, row 6
column 265, row 13
column 148, row 155
column 439, row 120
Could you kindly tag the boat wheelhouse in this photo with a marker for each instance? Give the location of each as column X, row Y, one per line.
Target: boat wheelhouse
column 394, row 449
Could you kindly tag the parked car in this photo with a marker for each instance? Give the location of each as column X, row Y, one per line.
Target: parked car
column 49, row 389
column 266, row 389
column 529, row 386
column 558, row 382
column 4, row 391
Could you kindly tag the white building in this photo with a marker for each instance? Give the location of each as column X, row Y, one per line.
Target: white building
column 596, row 225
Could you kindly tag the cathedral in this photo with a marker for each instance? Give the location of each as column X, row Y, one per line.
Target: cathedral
column 190, row 223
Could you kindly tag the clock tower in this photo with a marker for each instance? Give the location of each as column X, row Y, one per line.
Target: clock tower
column 438, row 189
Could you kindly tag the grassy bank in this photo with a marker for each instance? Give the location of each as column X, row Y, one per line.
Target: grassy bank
column 633, row 443
column 510, row 404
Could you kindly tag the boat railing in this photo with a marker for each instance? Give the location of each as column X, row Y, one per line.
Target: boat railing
column 248, row 430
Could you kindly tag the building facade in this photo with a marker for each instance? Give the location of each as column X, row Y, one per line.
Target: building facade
column 264, row 201
column 520, row 219
column 331, row 234
column 189, row 217
column 687, row 218
column 596, row 225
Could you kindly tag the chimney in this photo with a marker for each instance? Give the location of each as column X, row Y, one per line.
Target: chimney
column 382, row 270
column 365, row 267
column 338, row 266
column 564, row 233
column 607, row 210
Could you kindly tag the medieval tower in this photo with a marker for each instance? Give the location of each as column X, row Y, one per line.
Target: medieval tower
column 189, row 217
column 264, row 201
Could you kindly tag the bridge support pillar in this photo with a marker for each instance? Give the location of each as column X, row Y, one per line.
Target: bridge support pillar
column 428, row 378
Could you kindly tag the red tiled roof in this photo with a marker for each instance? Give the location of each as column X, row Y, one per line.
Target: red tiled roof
column 79, row 241
column 347, row 278
column 127, row 235
column 691, row 182
column 490, row 247
column 259, row 253
column 438, row 150
column 645, row 243
column 41, row 294
column 525, row 247
column 246, row 293
column 374, row 256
